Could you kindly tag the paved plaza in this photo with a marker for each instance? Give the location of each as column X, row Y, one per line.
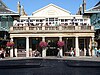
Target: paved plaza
column 50, row 66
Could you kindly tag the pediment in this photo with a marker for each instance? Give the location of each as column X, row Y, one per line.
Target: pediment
column 51, row 10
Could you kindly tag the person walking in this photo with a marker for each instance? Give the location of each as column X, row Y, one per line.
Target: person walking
column 59, row 53
column 98, row 52
column 1, row 53
column 72, row 52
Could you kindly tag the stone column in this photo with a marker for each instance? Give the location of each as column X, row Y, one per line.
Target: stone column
column 84, row 48
column 77, row 46
column 90, row 47
column 30, row 52
column 16, row 52
column 43, row 39
column 27, row 46
column 84, row 51
column 93, row 51
column 11, row 51
column 60, row 38
column 44, row 49
column 61, row 51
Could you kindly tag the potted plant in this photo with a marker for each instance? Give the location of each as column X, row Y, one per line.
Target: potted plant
column 43, row 45
column 10, row 44
column 60, row 44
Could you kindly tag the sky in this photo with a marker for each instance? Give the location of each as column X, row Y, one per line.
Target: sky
column 32, row 5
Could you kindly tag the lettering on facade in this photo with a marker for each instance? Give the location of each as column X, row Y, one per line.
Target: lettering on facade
column 69, row 33
column 51, row 12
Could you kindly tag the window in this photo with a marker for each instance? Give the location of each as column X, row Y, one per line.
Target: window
column 99, row 21
column 56, row 19
column 37, row 20
column 76, row 19
column 31, row 20
column 85, row 23
column 51, row 19
column 22, row 20
column 81, row 20
column 76, row 24
column 66, row 20
column 66, row 23
column 46, row 19
column 41, row 20
column 0, row 4
column 62, row 20
column 81, row 23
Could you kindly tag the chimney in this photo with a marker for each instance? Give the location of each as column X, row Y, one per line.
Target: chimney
column 84, row 6
column 19, row 8
column 80, row 10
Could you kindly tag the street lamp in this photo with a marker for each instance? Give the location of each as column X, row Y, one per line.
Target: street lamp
column 66, row 43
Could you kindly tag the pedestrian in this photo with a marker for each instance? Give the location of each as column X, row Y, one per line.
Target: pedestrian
column 36, row 53
column 95, row 50
column 98, row 52
column 72, row 52
column 1, row 53
column 59, row 53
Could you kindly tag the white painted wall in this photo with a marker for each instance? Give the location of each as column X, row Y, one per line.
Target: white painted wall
column 51, row 11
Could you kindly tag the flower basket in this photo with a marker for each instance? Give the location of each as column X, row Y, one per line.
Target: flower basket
column 43, row 44
column 10, row 44
column 60, row 43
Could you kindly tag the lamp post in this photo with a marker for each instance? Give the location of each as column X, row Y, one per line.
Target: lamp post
column 0, row 22
column 66, row 43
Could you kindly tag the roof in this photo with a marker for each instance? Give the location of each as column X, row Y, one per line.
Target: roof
column 98, row 3
column 5, row 10
column 95, row 9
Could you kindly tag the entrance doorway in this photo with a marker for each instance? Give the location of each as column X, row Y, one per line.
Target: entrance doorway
column 52, row 47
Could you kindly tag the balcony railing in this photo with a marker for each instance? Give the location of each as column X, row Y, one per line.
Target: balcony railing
column 51, row 28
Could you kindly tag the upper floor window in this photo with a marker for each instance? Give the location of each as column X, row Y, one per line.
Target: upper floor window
column 62, row 20
column 81, row 20
column 41, row 20
column 56, row 19
column 46, row 19
column 51, row 19
column 37, row 20
column 66, row 20
column 31, row 20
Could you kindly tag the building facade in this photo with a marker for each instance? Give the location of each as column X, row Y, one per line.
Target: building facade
column 94, row 13
column 52, row 24
column 7, row 17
